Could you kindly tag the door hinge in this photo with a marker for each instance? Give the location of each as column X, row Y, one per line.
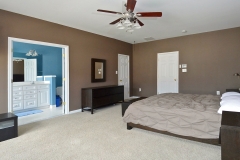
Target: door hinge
column 63, row 103
column 64, row 79
column 12, row 50
column 63, row 54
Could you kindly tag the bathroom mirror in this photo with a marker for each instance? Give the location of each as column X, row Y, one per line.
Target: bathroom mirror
column 98, row 67
column 18, row 66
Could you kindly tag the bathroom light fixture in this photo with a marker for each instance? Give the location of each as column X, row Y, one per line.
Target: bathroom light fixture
column 17, row 60
column 32, row 53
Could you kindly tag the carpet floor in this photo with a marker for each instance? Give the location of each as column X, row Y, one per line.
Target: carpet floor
column 101, row 136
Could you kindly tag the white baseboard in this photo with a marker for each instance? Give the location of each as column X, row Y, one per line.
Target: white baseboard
column 53, row 106
column 75, row 111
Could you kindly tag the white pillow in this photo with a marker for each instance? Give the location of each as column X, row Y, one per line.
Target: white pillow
column 229, row 94
column 230, row 98
column 230, row 105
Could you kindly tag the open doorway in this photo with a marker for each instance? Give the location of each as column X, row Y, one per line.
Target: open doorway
column 37, row 72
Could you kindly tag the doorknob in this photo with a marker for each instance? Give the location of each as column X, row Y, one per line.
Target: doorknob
column 120, row 80
column 175, row 79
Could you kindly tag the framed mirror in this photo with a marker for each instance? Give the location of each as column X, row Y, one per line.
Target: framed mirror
column 98, row 67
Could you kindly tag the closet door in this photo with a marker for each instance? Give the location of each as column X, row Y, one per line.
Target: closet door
column 167, row 73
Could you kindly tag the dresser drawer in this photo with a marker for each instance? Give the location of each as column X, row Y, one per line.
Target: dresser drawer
column 99, row 92
column 17, row 98
column 17, row 105
column 17, row 93
column 30, row 96
column 17, row 88
column 46, row 86
column 31, row 103
column 30, row 92
column 29, row 87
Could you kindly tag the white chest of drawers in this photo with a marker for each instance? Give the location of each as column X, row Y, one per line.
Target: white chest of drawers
column 30, row 96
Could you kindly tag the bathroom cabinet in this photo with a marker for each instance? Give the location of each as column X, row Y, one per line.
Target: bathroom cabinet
column 30, row 96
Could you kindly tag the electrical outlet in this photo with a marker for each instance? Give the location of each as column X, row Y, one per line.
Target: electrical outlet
column 140, row 89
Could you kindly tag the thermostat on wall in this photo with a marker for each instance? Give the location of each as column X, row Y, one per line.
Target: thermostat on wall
column 184, row 65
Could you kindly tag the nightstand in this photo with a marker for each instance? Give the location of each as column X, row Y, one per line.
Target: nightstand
column 127, row 102
column 230, row 135
column 8, row 126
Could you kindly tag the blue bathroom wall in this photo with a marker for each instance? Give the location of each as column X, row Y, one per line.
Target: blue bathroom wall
column 49, row 61
column 52, row 64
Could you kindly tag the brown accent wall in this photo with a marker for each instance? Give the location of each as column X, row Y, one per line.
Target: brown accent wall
column 212, row 59
column 82, row 45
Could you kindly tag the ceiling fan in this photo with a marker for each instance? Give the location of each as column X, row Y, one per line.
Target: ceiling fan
column 129, row 19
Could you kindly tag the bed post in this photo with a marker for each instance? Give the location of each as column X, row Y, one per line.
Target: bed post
column 129, row 127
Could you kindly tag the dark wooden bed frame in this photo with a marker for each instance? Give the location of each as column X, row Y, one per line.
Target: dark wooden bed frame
column 208, row 141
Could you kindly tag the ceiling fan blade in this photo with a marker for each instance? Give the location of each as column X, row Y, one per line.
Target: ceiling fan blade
column 100, row 10
column 140, row 23
column 149, row 14
column 116, row 21
column 131, row 5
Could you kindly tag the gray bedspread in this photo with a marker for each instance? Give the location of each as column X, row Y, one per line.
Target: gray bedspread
column 183, row 114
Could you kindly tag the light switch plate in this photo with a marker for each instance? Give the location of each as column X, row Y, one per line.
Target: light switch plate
column 116, row 72
column 184, row 70
column 180, row 66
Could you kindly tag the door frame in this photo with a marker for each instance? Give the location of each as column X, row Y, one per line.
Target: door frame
column 10, row 68
column 128, row 71
column 167, row 53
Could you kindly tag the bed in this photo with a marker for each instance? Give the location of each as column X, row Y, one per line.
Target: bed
column 188, row 116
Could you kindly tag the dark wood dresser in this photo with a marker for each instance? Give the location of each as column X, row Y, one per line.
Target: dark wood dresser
column 95, row 97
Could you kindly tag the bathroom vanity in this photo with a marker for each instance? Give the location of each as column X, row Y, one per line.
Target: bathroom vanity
column 27, row 95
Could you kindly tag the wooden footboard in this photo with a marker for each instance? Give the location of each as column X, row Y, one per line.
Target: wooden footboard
column 208, row 141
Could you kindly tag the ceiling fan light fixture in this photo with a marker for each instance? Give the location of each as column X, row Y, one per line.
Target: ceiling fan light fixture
column 136, row 25
column 120, row 26
column 130, row 30
column 127, row 23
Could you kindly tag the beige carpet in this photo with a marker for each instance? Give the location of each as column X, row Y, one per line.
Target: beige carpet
column 101, row 136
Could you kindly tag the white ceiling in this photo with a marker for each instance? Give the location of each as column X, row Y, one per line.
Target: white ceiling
column 195, row 16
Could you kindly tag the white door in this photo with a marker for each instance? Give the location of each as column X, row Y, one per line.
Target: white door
column 43, row 97
column 123, row 73
column 30, row 70
column 167, row 72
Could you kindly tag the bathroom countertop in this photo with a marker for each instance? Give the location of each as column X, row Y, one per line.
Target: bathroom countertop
column 30, row 83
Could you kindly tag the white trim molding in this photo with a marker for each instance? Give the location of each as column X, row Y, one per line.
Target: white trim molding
column 75, row 111
column 10, row 68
